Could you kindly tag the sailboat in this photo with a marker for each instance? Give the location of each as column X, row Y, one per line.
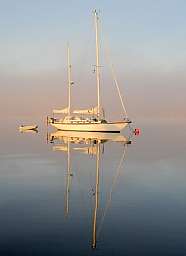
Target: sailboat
column 87, row 120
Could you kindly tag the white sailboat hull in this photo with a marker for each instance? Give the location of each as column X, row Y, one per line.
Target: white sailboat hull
column 95, row 127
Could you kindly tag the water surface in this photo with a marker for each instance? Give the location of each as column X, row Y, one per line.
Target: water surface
column 141, row 198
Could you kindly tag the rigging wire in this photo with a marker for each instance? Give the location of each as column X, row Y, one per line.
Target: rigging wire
column 114, row 77
column 111, row 190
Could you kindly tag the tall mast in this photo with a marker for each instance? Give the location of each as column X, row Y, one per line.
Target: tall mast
column 69, row 79
column 97, row 62
column 96, row 197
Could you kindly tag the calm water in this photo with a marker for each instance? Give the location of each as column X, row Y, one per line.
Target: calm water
column 47, row 208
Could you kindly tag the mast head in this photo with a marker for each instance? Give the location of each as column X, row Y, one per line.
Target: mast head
column 96, row 13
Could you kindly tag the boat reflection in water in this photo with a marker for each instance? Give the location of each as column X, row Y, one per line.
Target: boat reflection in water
column 90, row 144
column 33, row 131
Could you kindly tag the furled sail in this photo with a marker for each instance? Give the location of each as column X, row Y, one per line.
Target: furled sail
column 60, row 111
column 91, row 111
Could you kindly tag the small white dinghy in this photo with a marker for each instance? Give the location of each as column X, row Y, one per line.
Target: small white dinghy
column 23, row 128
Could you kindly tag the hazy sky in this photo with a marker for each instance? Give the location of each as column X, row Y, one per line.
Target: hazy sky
column 148, row 48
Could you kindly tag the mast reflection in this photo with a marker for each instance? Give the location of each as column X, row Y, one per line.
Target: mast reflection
column 90, row 144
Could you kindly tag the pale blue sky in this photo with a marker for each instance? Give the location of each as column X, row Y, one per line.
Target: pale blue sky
column 152, row 28
column 145, row 36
